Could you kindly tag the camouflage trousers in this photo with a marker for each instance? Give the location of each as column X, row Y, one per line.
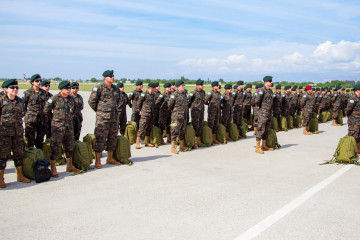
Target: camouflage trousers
column 178, row 127
column 47, row 126
column 77, row 127
column 237, row 116
column 263, row 126
column 226, row 119
column 135, row 117
column 336, row 112
column 306, row 117
column 213, row 120
column 122, row 122
column 61, row 136
column 247, row 112
column 197, row 118
column 16, row 145
column 155, row 116
column 165, row 121
column 354, row 128
column 34, row 133
column 256, row 116
column 146, row 123
column 106, row 136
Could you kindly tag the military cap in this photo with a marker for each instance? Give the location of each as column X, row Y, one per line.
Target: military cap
column 215, row 83
column 293, row 88
column 227, row 86
column 357, row 87
column 166, row 85
column 343, row 89
column 347, row 90
column 157, row 84
column 326, row 88
column 287, row 87
column 267, row 79
column 278, row 86
column 152, row 84
column 74, row 84
column 317, row 89
column 120, row 85
column 2, row 86
column 9, row 82
column 235, row 87
column 178, row 83
column 173, row 83
column 301, row 87
column 248, row 85
column 44, row 82
column 199, row 82
column 107, row 73
column 353, row 90
column 138, row 82
column 240, row 82
column 308, row 87
column 185, row 90
column 261, row 85
column 35, row 76
column 64, row 84
column 323, row 89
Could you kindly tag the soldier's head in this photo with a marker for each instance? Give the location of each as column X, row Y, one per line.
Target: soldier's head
column 267, row 81
column 139, row 85
column 301, row 89
column 152, row 87
column 347, row 91
column 338, row 89
column 228, row 88
column 35, row 80
column 167, row 87
column 323, row 90
column 248, row 87
column 120, row 86
column 157, row 87
column 11, row 88
column 343, row 90
column 180, row 85
column 278, row 88
column 313, row 90
column 199, row 84
column 287, row 89
column 293, row 90
column 74, row 88
column 215, row 86
column 64, row 87
column 357, row 89
column 173, row 86
column 240, row 84
column 308, row 89
column 45, row 85
column 108, row 77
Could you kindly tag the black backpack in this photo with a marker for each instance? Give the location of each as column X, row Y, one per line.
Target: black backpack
column 42, row 171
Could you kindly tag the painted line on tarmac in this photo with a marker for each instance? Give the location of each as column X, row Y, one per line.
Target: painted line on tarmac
column 276, row 216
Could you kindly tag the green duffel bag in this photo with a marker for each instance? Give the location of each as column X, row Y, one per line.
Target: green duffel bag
column 340, row 118
column 323, row 117
column 314, row 115
column 274, row 124
column 90, row 139
column 283, row 123
column 122, row 152
column 331, row 112
column 47, row 150
column 82, row 155
column 271, row 140
column 290, row 122
column 131, row 132
column 245, row 127
column 206, row 136
column 314, row 125
column 189, row 137
column 346, row 151
column 31, row 155
column 300, row 114
column 296, row 121
column 155, row 136
column 234, row 132
column 221, row 134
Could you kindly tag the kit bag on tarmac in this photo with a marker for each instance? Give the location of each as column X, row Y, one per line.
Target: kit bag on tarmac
column 283, row 123
column 189, row 137
column 346, row 152
column 245, row 126
column 31, row 155
column 42, row 171
column 82, row 155
column 131, row 132
column 122, row 152
column 271, row 140
column 323, row 117
column 221, row 134
column 47, row 150
column 274, row 124
column 290, row 122
column 234, row 132
column 340, row 118
column 206, row 135
column 90, row 139
column 296, row 121
column 155, row 136
column 314, row 125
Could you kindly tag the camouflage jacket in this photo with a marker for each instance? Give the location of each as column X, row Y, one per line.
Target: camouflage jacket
column 34, row 105
column 124, row 100
column 213, row 100
column 277, row 103
column 293, row 104
column 247, row 99
column 226, row 103
column 162, row 101
column 134, row 97
column 285, row 104
column 178, row 105
column 146, row 103
column 353, row 109
column 307, row 102
column 79, row 106
column 264, row 100
column 238, row 98
column 337, row 99
column 197, row 100
column 105, row 101
column 63, row 110
column 11, row 114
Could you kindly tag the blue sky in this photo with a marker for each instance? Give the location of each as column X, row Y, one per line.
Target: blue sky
column 79, row 39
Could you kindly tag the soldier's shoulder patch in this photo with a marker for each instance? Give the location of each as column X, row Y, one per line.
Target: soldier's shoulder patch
column 244, row 93
column 351, row 101
column 131, row 93
column 234, row 93
column 191, row 94
column 172, row 96
column 283, row 95
column 256, row 94
column 160, row 96
column 24, row 95
column 221, row 97
column 49, row 100
column 335, row 95
column 320, row 95
column 95, row 89
column 261, row 92
column 143, row 95
column 209, row 93
column 274, row 95
column 304, row 96
column 298, row 93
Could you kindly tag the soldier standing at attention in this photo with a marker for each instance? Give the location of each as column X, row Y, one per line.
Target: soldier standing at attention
column 293, row 102
column 307, row 105
column 196, row 101
column 146, row 104
column 11, row 130
column 318, row 100
column 79, row 106
column 124, row 100
column 156, row 107
column 178, row 105
column 62, row 105
column 134, row 97
column 247, row 102
column 45, row 85
column 164, row 114
column 256, row 109
column 34, row 100
column 264, row 101
column 238, row 109
column 226, row 109
column 104, row 100
column 173, row 87
column 352, row 112
column 337, row 103
column 212, row 99
column 285, row 101
column 277, row 103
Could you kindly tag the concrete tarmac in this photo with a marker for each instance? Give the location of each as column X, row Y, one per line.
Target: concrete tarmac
column 219, row 192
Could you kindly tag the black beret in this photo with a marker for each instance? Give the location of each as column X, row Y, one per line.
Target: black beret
column 301, row 87
column 120, row 85
column 139, row 82
column 228, row 86
column 152, row 84
column 267, row 79
column 248, row 85
column 235, row 87
column 64, row 84
column 347, row 90
column 287, row 87
column 357, row 87
column 166, row 85
column 343, row 89
column 178, row 83
column 317, row 89
column 278, row 86
column 156, row 84
column 240, row 82
column 9, row 82
column 35, row 76
column 215, row 83
column 44, row 82
column 199, row 82
column 322, row 89
column 261, row 85
column 108, row 72
column 293, row 88
column 74, row 84
column 173, row 83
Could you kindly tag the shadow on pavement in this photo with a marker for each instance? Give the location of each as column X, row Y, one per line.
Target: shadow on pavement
column 149, row 158
column 288, row 145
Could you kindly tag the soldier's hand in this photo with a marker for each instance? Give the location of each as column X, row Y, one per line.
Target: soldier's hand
column 140, row 113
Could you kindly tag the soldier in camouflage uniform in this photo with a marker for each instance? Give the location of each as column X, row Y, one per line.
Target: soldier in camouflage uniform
column 307, row 105
column 277, row 103
column 337, row 104
column 164, row 113
column 156, row 107
column 196, row 101
column 247, row 102
column 285, row 101
column 238, row 108
column 178, row 105
column 104, row 100
column 173, row 87
column 11, row 130
column 62, row 105
column 146, row 104
column 124, row 100
column 293, row 102
column 264, row 101
column 318, row 97
column 255, row 108
column 346, row 98
column 34, row 100
column 322, row 104
column 226, row 109
column 352, row 112
column 45, row 85
column 212, row 99
column 134, row 97
column 79, row 106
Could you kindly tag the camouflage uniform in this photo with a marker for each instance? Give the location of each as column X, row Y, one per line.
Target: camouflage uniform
column 322, row 105
column 212, row 99
column 353, row 113
column 62, row 125
column 307, row 104
column 285, row 102
column 317, row 102
column 255, row 108
column 48, row 119
column 277, row 105
column 293, row 104
column 226, row 110
column 124, row 100
column 337, row 103
column 247, row 105
column 264, row 101
column 11, row 130
column 34, row 117
column 77, row 117
column 146, row 104
column 196, row 101
column 134, row 97
column 156, row 112
column 178, row 105
column 238, row 100
column 104, row 102
column 164, row 113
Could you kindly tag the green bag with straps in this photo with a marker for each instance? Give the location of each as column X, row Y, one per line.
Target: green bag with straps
column 82, row 155
column 90, row 139
column 272, row 141
column 122, row 152
column 47, row 150
column 221, row 134
column 206, row 135
column 290, row 122
column 131, row 132
column 283, row 123
column 189, row 136
column 234, row 132
column 155, row 136
column 31, row 155
column 274, row 124
column 346, row 152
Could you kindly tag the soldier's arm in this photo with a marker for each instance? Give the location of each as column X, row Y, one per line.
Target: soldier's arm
column 208, row 98
column 25, row 100
column 350, row 106
column 303, row 101
column 128, row 101
column 81, row 107
column 171, row 103
column 160, row 100
column 49, row 106
column 94, row 98
column 141, row 101
column 259, row 98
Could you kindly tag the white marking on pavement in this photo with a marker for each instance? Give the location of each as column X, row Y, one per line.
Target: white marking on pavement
column 276, row 216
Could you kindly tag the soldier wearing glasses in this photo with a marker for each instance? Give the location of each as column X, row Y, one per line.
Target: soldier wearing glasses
column 45, row 85
column 79, row 105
